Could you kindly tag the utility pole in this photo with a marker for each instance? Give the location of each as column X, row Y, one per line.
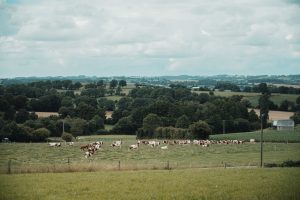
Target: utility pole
column 223, row 126
column 261, row 140
column 63, row 121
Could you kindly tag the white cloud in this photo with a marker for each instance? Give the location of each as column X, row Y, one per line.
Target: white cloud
column 181, row 36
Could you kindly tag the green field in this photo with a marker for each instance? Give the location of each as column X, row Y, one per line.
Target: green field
column 253, row 97
column 160, row 184
column 268, row 136
column 38, row 157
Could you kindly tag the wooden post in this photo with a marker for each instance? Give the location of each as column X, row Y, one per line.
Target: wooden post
column 168, row 165
column 9, row 167
column 119, row 165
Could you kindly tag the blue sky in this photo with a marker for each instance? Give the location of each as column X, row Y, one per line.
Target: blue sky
column 149, row 38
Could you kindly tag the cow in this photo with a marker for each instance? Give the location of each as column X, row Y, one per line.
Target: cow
column 134, row 146
column 54, row 144
column 117, row 143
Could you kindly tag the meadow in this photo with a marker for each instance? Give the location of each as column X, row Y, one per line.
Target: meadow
column 253, row 97
column 38, row 157
column 269, row 135
column 206, row 184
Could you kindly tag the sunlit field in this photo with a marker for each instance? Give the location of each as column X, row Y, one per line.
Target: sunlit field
column 280, row 183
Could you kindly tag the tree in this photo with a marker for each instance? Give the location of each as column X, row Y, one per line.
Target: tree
column 125, row 125
column 284, row 105
column 200, row 130
column 122, row 83
column 263, row 88
column 113, row 83
column 296, row 117
column 151, row 122
column 85, row 111
column 68, row 137
column 10, row 113
column 40, row 134
column 21, row 116
column 241, row 125
column 253, row 116
column 20, row 102
column 264, row 108
column 183, row 122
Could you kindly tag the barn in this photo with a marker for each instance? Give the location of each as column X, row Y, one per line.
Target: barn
column 287, row 124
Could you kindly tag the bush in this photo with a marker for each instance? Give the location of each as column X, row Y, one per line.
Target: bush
column 68, row 137
column 40, row 135
column 200, row 130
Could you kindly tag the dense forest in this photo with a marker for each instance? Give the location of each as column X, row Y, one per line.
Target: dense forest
column 147, row 111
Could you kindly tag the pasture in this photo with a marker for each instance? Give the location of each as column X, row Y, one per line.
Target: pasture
column 280, row 183
column 39, row 157
column 269, row 135
column 253, row 97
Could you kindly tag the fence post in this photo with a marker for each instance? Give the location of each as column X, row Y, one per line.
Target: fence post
column 119, row 165
column 168, row 165
column 9, row 167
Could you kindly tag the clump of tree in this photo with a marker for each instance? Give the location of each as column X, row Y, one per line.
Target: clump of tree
column 68, row 137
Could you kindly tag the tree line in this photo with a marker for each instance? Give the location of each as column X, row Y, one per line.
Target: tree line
column 146, row 111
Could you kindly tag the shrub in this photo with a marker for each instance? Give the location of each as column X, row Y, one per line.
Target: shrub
column 40, row 134
column 68, row 137
column 200, row 130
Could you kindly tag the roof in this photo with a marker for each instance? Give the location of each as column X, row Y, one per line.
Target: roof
column 287, row 122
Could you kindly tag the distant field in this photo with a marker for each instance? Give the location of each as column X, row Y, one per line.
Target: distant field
column 269, row 136
column 276, row 115
column 214, row 184
column 38, row 157
column 46, row 114
column 253, row 97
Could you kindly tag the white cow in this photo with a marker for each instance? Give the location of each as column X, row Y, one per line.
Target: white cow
column 54, row 144
column 134, row 146
column 164, row 147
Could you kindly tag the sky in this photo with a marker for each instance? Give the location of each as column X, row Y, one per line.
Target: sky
column 149, row 38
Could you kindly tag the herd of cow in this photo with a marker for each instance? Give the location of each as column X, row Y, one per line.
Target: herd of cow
column 91, row 148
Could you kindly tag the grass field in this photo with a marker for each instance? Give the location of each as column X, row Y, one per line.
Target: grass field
column 206, row 184
column 38, row 157
column 269, row 136
column 253, row 97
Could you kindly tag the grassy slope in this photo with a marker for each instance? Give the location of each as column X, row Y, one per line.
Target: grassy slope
column 161, row 184
column 269, row 136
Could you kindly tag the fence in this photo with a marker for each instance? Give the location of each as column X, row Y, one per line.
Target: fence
column 15, row 167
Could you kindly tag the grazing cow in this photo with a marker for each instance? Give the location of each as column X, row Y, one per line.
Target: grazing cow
column 54, row 144
column 154, row 143
column 164, row 147
column 252, row 141
column 117, row 143
column 134, row 146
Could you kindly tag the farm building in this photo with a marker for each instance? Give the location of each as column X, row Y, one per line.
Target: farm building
column 287, row 124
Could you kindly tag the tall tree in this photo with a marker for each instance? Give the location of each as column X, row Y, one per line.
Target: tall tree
column 122, row 83
column 264, row 103
column 113, row 83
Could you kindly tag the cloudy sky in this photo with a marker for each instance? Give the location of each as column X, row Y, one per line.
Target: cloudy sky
column 149, row 38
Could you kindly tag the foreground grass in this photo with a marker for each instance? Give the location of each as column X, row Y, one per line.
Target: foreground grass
column 265, row 184
column 268, row 136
